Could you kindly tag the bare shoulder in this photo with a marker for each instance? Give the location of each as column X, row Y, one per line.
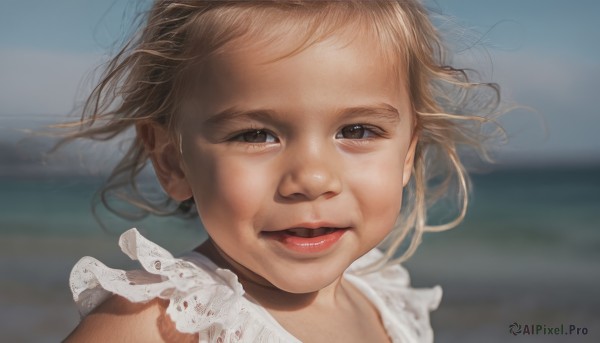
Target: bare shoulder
column 119, row 320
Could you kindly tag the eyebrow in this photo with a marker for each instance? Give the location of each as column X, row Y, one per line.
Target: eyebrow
column 382, row 111
column 232, row 114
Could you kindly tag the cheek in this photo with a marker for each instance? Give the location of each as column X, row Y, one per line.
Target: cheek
column 378, row 190
column 228, row 191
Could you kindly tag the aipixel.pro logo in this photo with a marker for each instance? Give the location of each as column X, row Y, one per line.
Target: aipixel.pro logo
column 543, row 329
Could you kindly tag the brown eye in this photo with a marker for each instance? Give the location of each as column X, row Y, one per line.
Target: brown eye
column 256, row 136
column 354, row 132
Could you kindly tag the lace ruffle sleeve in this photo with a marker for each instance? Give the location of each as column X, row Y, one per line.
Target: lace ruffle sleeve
column 212, row 298
column 404, row 310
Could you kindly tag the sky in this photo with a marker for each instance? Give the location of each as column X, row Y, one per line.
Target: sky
column 542, row 53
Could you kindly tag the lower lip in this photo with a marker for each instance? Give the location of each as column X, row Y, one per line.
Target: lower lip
column 307, row 244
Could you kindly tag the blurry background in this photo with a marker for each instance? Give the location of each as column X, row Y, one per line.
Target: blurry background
column 527, row 252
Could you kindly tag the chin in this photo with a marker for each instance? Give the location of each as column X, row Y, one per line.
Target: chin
column 305, row 280
column 303, row 287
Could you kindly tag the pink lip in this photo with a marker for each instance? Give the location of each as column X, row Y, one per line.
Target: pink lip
column 306, row 245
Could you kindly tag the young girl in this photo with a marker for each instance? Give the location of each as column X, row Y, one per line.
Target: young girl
column 292, row 128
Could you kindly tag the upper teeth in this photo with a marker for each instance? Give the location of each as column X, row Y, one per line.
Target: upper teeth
column 304, row 232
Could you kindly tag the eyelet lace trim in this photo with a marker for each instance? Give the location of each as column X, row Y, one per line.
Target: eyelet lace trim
column 210, row 301
column 404, row 310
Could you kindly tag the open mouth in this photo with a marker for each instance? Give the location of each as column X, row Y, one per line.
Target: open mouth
column 302, row 232
column 306, row 240
column 309, row 233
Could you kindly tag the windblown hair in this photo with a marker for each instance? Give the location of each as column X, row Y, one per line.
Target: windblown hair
column 143, row 82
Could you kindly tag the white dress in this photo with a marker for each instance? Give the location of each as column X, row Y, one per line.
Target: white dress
column 208, row 300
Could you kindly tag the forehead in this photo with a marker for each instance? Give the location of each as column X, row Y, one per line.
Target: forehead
column 341, row 56
column 271, row 59
column 280, row 34
column 323, row 78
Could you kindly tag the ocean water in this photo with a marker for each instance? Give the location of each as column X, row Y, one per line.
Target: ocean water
column 528, row 252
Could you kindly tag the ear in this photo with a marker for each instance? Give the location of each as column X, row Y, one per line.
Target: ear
column 409, row 160
column 165, row 158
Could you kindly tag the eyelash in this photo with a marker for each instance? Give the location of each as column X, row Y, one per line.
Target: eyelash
column 237, row 137
column 374, row 131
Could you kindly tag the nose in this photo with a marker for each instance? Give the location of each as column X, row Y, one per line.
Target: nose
column 311, row 171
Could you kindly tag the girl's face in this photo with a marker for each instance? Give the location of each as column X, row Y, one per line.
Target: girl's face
column 319, row 139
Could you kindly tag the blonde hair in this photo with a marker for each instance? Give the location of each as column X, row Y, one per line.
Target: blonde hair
column 143, row 81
